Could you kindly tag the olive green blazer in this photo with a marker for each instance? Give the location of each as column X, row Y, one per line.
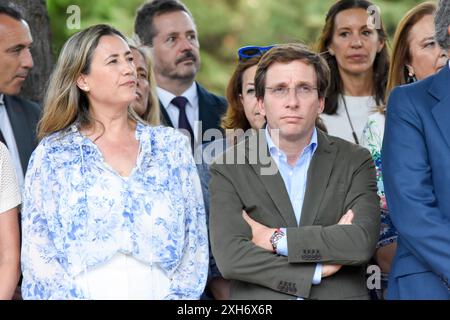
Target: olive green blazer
column 341, row 176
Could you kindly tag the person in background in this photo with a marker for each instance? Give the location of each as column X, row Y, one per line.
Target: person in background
column 168, row 28
column 18, row 116
column 415, row 56
column 359, row 61
column 415, row 51
column 9, row 226
column 112, row 207
column 415, row 154
column 242, row 115
column 146, row 104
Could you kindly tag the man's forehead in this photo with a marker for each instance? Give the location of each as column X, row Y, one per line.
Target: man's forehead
column 297, row 70
column 14, row 30
column 174, row 21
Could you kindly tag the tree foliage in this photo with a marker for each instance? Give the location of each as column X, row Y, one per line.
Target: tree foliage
column 223, row 25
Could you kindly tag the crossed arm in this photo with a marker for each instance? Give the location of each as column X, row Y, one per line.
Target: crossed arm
column 244, row 257
column 261, row 237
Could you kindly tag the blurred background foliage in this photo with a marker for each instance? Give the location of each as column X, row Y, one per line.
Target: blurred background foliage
column 223, row 25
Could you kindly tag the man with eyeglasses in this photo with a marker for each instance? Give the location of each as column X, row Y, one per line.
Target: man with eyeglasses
column 307, row 229
column 168, row 28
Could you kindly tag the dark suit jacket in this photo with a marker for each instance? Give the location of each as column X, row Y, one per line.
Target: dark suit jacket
column 416, row 159
column 211, row 109
column 23, row 116
column 341, row 176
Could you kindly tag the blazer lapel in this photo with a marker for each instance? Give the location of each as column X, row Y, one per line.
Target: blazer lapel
column 20, row 127
column 206, row 112
column 318, row 175
column 165, row 119
column 273, row 183
column 441, row 111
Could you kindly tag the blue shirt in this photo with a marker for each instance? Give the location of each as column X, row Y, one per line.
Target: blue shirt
column 295, row 178
column 78, row 213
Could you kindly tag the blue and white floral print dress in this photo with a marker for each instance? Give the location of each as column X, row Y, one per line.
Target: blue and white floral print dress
column 78, row 215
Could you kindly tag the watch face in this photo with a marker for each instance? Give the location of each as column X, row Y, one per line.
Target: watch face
column 276, row 236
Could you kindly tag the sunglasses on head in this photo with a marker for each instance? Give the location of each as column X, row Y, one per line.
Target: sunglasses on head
column 252, row 51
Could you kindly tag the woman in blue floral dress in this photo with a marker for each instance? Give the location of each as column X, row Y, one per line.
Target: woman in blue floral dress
column 112, row 207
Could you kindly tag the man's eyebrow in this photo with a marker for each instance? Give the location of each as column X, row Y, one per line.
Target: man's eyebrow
column 17, row 47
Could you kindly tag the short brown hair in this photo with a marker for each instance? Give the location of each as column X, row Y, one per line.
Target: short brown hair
column 286, row 53
column 143, row 24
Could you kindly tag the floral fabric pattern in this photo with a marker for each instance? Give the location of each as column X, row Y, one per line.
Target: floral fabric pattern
column 78, row 213
column 372, row 140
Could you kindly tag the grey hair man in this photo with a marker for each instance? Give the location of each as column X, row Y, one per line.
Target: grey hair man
column 442, row 24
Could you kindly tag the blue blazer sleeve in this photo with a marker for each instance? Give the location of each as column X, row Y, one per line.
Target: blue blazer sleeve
column 407, row 161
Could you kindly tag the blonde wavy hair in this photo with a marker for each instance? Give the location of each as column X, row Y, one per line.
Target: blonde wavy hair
column 152, row 113
column 64, row 102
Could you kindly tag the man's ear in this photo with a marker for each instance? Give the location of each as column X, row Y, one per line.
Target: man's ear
column 82, row 83
column 261, row 108
column 321, row 105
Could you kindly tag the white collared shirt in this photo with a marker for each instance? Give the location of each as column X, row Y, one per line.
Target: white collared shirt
column 8, row 134
column 192, row 107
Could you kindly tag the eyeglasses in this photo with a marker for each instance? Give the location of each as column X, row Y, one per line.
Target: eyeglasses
column 252, row 51
column 301, row 91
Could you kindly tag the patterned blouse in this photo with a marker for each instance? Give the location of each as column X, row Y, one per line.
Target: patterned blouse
column 78, row 213
column 372, row 139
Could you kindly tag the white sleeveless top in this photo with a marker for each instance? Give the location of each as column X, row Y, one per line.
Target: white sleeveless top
column 359, row 109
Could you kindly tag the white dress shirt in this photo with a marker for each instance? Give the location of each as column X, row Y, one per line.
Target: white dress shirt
column 192, row 108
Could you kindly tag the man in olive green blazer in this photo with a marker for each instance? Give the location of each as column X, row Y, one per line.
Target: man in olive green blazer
column 320, row 190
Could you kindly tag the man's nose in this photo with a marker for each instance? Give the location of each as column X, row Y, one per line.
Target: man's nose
column 186, row 44
column 27, row 59
column 292, row 99
column 442, row 53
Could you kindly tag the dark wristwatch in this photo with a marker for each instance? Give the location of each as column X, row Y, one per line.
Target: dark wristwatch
column 276, row 236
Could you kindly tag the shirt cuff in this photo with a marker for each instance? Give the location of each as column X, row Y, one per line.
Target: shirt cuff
column 317, row 275
column 282, row 248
